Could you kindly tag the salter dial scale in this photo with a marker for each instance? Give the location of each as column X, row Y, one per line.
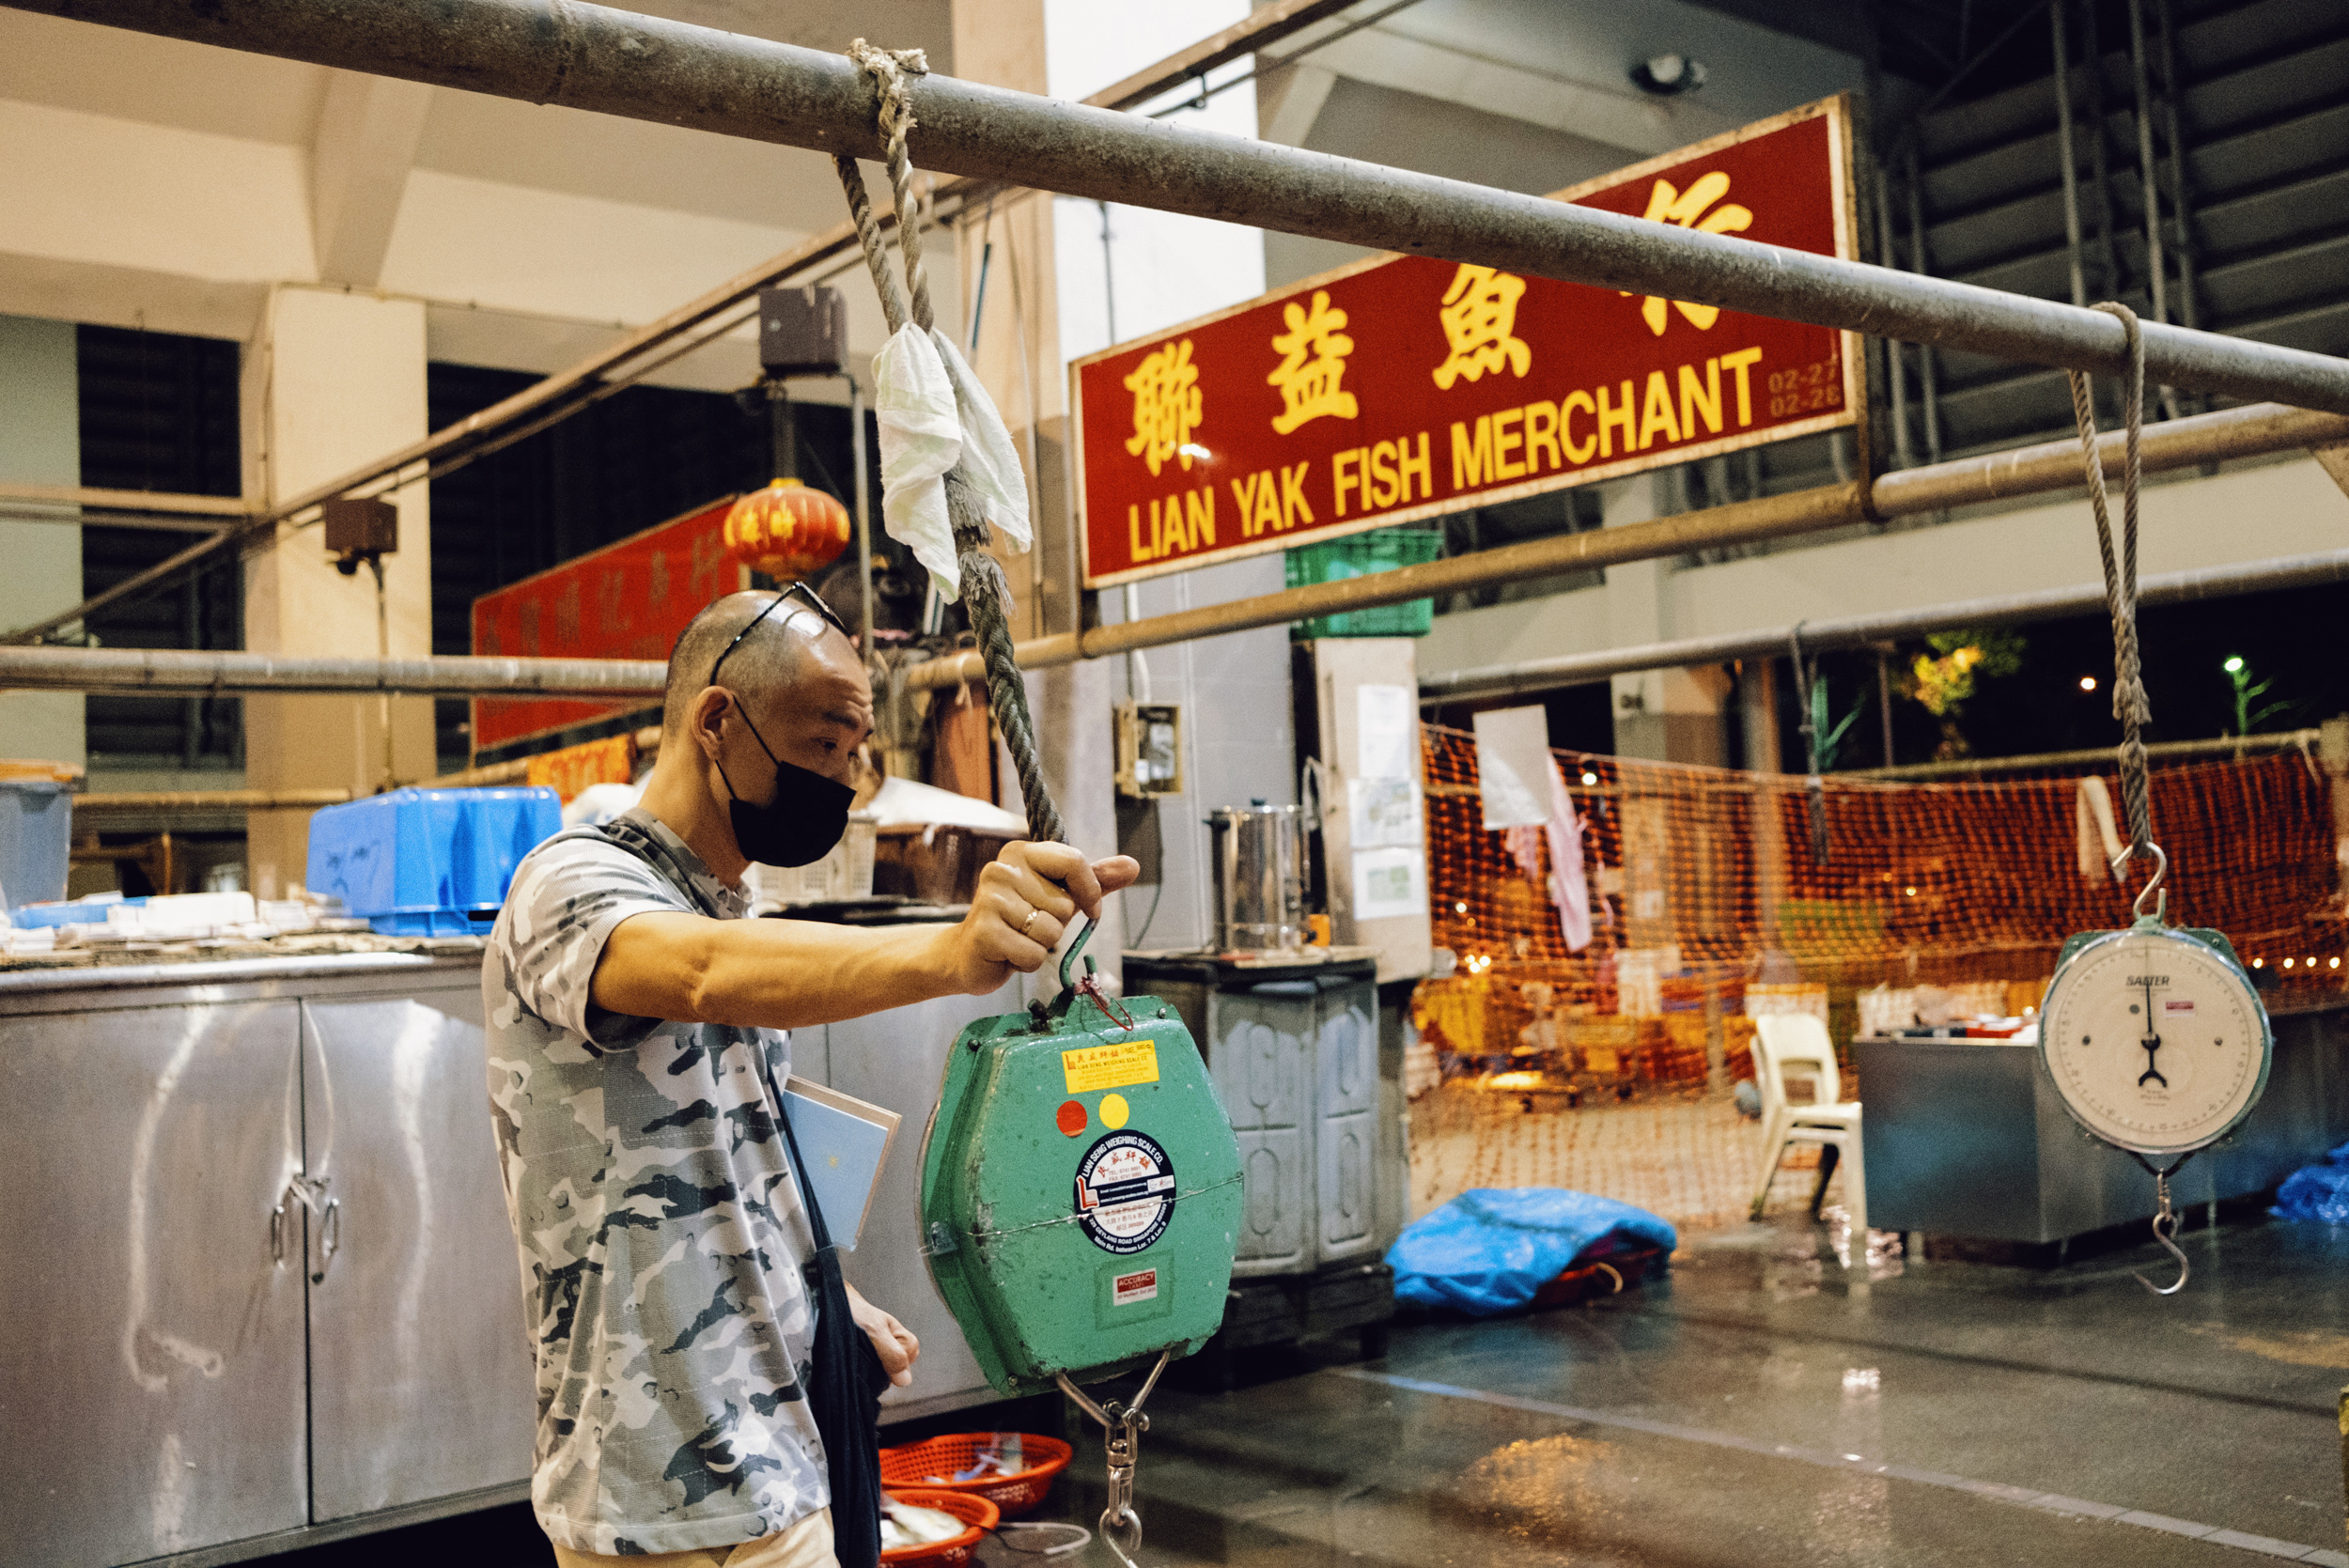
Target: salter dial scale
column 2155, row 1037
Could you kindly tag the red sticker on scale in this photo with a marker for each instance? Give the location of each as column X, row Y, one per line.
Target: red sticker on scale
column 1125, row 1192
column 1071, row 1117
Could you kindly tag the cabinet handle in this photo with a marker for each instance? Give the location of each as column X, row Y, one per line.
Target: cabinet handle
column 330, row 1239
column 309, row 1192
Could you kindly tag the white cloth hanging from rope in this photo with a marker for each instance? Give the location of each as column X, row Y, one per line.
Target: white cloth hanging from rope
column 2099, row 835
column 933, row 413
column 1569, row 889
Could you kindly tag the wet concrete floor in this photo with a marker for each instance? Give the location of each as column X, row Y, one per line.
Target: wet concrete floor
column 1944, row 1413
column 1760, row 1407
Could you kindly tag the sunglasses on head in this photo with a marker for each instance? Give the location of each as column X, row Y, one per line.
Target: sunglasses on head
column 815, row 602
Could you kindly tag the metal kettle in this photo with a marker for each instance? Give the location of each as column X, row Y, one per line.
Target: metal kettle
column 1260, row 877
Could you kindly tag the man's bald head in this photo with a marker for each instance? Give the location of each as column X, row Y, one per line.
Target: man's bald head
column 766, row 663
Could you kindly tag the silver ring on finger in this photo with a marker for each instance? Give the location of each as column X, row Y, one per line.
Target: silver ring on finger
column 1030, row 920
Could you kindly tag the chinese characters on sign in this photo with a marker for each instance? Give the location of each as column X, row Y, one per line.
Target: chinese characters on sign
column 627, row 601
column 1313, row 363
column 1166, row 406
column 1403, row 387
column 1480, row 316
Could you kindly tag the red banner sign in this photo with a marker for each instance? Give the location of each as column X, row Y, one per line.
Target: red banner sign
column 627, row 601
column 1402, row 387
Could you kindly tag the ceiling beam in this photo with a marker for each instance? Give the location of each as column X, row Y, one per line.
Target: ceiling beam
column 369, row 128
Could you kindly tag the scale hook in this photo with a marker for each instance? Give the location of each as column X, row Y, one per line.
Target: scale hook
column 2165, row 1227
column 2161, row 870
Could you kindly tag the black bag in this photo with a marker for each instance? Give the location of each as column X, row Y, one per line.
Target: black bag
column 844, row 1385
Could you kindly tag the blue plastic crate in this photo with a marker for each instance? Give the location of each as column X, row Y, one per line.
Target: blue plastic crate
column 428, row 862
column 36, row 840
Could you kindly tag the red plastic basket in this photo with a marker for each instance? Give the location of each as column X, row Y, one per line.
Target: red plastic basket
column 977, row 1512
column 925, row 1463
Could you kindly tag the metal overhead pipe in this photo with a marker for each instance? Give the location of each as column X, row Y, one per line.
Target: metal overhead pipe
column 2232, row 746
column 2050, row 466
column 219, row 509
column 2295, row 571
column 157, row 669
column 591, row 58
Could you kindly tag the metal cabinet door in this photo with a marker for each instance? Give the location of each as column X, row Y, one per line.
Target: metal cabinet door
column 1346, row 1100
column 151, row 1374
column 420, row 1371
column 1263, row 1040
column 897, row 1058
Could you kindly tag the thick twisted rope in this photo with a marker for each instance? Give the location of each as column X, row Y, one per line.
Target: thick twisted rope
column 890, row 70
column 986, row 596
column 2130, row 704
column 893, row 300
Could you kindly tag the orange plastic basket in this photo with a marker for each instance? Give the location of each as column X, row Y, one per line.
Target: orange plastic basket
column 929, row 1463
column 977, row 1512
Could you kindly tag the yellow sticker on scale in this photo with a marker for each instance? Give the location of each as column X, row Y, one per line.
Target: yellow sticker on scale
column 1111, row 1066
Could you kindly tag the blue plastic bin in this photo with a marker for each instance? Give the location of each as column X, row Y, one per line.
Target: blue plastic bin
column 36, row 840
column 428, row 862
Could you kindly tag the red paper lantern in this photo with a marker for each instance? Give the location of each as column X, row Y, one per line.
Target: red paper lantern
column 787, row 530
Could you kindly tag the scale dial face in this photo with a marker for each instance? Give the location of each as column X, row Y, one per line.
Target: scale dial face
column 2156, row 1041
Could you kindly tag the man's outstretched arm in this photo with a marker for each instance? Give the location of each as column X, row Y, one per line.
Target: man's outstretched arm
column 795, row 975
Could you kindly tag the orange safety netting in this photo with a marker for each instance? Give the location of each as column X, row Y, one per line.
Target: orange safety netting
column 1709, row 903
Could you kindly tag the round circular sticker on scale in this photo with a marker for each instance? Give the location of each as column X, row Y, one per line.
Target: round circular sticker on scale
column 1125, row 1192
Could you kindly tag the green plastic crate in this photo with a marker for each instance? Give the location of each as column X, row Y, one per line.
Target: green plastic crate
column 1359, row 555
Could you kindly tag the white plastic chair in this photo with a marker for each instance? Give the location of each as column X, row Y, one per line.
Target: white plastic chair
column 1795, row 1044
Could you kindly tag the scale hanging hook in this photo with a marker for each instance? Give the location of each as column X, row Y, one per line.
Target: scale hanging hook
column 2166, row 1227
column 1122, row 1426
column 1091, row 985
column 2153, row 889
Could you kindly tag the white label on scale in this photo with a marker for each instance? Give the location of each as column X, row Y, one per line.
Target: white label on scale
column 1125, row 1192
column 1140, row 1285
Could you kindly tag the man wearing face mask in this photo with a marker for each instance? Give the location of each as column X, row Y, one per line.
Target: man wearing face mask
column 687, row 1370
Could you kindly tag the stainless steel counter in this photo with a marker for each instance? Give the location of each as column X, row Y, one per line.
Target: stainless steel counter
column 1967, row 1137
column 262, row 1290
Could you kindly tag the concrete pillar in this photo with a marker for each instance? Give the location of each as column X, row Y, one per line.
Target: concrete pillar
column 334, row 380
column 40, row 444
column 1665, row 715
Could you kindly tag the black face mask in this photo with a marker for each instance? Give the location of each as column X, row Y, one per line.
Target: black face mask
column 799, row 825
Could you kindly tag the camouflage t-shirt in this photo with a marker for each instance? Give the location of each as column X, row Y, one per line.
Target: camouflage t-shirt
column 661, row 1237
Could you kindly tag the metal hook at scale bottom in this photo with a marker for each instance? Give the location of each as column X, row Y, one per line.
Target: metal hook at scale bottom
column 2165, row 1228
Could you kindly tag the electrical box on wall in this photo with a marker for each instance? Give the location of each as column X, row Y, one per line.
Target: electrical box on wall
column 359, row 530
column 802, row 331
column 1149, row 750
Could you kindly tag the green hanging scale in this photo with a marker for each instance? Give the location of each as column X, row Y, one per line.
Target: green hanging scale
column 1081, row 1205
column 2155, row 1037
column 1081, row 1190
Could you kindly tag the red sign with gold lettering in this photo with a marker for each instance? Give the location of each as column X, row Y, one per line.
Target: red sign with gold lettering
column 1402, row 387
column 627, row 601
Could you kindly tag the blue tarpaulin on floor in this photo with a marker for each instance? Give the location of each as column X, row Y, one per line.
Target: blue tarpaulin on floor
column 2318, row 1193
column 1491, row 1247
